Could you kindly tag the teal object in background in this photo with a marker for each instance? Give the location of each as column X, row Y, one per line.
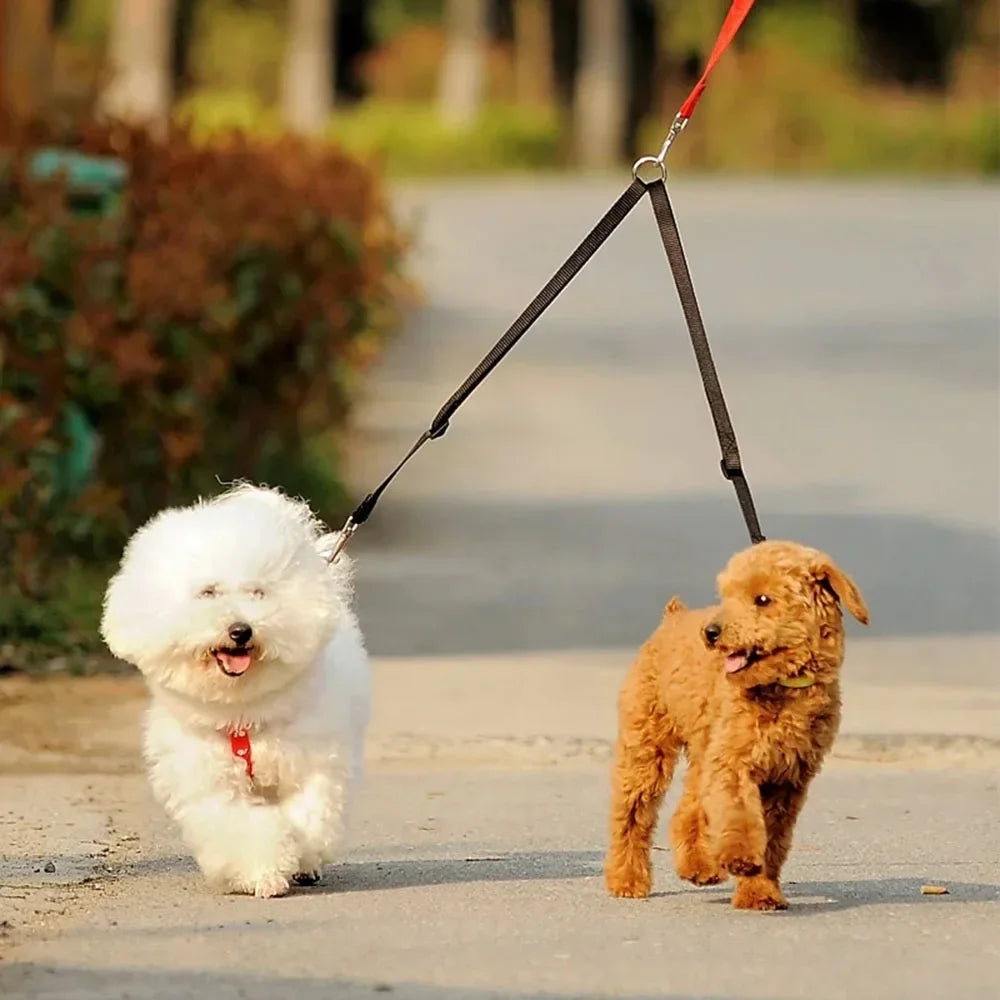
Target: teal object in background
column 94, row 183
column 93, row 187
column 74, row 468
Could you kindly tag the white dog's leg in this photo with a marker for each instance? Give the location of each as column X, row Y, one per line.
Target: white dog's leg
column 316, row 813
column 247, row 847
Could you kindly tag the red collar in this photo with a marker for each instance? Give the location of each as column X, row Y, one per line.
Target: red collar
column 239, row 743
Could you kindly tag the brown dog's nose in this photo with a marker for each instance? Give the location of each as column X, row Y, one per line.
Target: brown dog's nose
column 712, row 633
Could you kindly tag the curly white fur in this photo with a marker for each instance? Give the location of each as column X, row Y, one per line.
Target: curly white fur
column 254, row 557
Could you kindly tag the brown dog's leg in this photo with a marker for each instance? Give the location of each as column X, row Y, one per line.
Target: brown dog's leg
column 641, row 775
column 735, row 817
column 782, row 804
column 645, row 755
column 693, row 857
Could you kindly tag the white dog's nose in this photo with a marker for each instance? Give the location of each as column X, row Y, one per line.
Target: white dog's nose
column 240, row 633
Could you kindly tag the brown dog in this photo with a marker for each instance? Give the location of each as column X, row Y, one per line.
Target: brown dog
column 750, row 691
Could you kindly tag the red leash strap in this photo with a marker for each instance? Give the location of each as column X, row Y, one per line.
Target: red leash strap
column 641, row 169
column 734, row 19
column 239, row 743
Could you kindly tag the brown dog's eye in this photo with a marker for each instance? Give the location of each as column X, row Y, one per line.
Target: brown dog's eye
column 762, row 600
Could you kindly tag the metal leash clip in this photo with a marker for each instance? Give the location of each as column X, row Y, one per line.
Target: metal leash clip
column 345, row 536
column 678, row 126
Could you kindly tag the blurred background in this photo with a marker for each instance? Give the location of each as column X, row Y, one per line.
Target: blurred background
column 266, row 239
column 456, row 85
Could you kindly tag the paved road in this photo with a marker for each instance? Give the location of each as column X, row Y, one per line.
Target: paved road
column 857, row 333
column 486, row 884
column 474, row 869
column 856, row 330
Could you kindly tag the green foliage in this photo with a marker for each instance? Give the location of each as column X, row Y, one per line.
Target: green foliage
column 412, row 139
column 817, row 32
column 89, row 21
column 392, row 17
column 239, row 46
column 405, row 138
column 58, row 631
column 212, row 327
column 790, row 103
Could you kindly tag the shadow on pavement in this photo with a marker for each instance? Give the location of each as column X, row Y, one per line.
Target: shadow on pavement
column 809, row 899
column 524, row 866
column 447, row 578
column 28, row 980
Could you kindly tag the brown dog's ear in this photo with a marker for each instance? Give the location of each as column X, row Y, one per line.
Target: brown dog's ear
column 843, row 586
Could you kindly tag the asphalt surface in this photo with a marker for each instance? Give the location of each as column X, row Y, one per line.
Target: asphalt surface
column 486, row 883
column 517, row 563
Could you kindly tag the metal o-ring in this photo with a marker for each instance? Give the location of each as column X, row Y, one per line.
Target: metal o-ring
column 661, row 170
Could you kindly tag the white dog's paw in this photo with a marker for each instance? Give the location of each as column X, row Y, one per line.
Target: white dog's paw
column 270, row 885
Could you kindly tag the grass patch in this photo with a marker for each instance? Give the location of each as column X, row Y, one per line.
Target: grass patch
column 406, row 139
column 58, row 630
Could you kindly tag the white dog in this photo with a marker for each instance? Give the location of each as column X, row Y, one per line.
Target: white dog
column 259, row 682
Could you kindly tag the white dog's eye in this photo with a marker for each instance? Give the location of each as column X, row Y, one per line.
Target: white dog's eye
column 257, row 592
column 211, row 591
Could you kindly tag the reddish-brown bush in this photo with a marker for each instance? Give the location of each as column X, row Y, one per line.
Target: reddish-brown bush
column 206, row 327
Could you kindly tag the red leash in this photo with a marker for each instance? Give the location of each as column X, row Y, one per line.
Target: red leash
column 734, row 20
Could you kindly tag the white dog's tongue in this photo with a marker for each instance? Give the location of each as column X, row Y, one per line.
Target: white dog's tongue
column 235, row 663
column 736, row 662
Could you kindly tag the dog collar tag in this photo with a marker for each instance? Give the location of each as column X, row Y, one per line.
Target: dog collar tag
column 802, row 681
column 239, row 743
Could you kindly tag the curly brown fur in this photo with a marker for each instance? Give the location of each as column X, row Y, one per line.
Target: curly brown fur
column 752, row 743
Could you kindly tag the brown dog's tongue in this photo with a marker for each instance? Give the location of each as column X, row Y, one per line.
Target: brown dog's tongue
column 735, row 662
column 235, row 663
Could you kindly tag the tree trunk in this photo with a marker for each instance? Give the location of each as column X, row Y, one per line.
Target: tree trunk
column 139, row 54
column 601, row 87
column 533, row 69
column 185, row 20
column 307, row 98
column 460, row 89
column 25, row 57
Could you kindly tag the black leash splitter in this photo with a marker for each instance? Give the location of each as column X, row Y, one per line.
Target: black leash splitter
column 732, row 467
column 591, row 243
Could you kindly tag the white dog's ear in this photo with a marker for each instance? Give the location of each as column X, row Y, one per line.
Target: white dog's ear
column 828, row 572
column 117, row 619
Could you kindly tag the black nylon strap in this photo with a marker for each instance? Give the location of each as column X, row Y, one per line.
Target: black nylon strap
column 363, row 510
column 732, row 467
column 574, row 264
column 591, row 244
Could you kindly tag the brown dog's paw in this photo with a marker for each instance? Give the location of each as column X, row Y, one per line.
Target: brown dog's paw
column 700, row 877
column 759, row 894
column 628, row 884
column 738, row 864
column 699, row 870
column 629, row 890
column 306, row 878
